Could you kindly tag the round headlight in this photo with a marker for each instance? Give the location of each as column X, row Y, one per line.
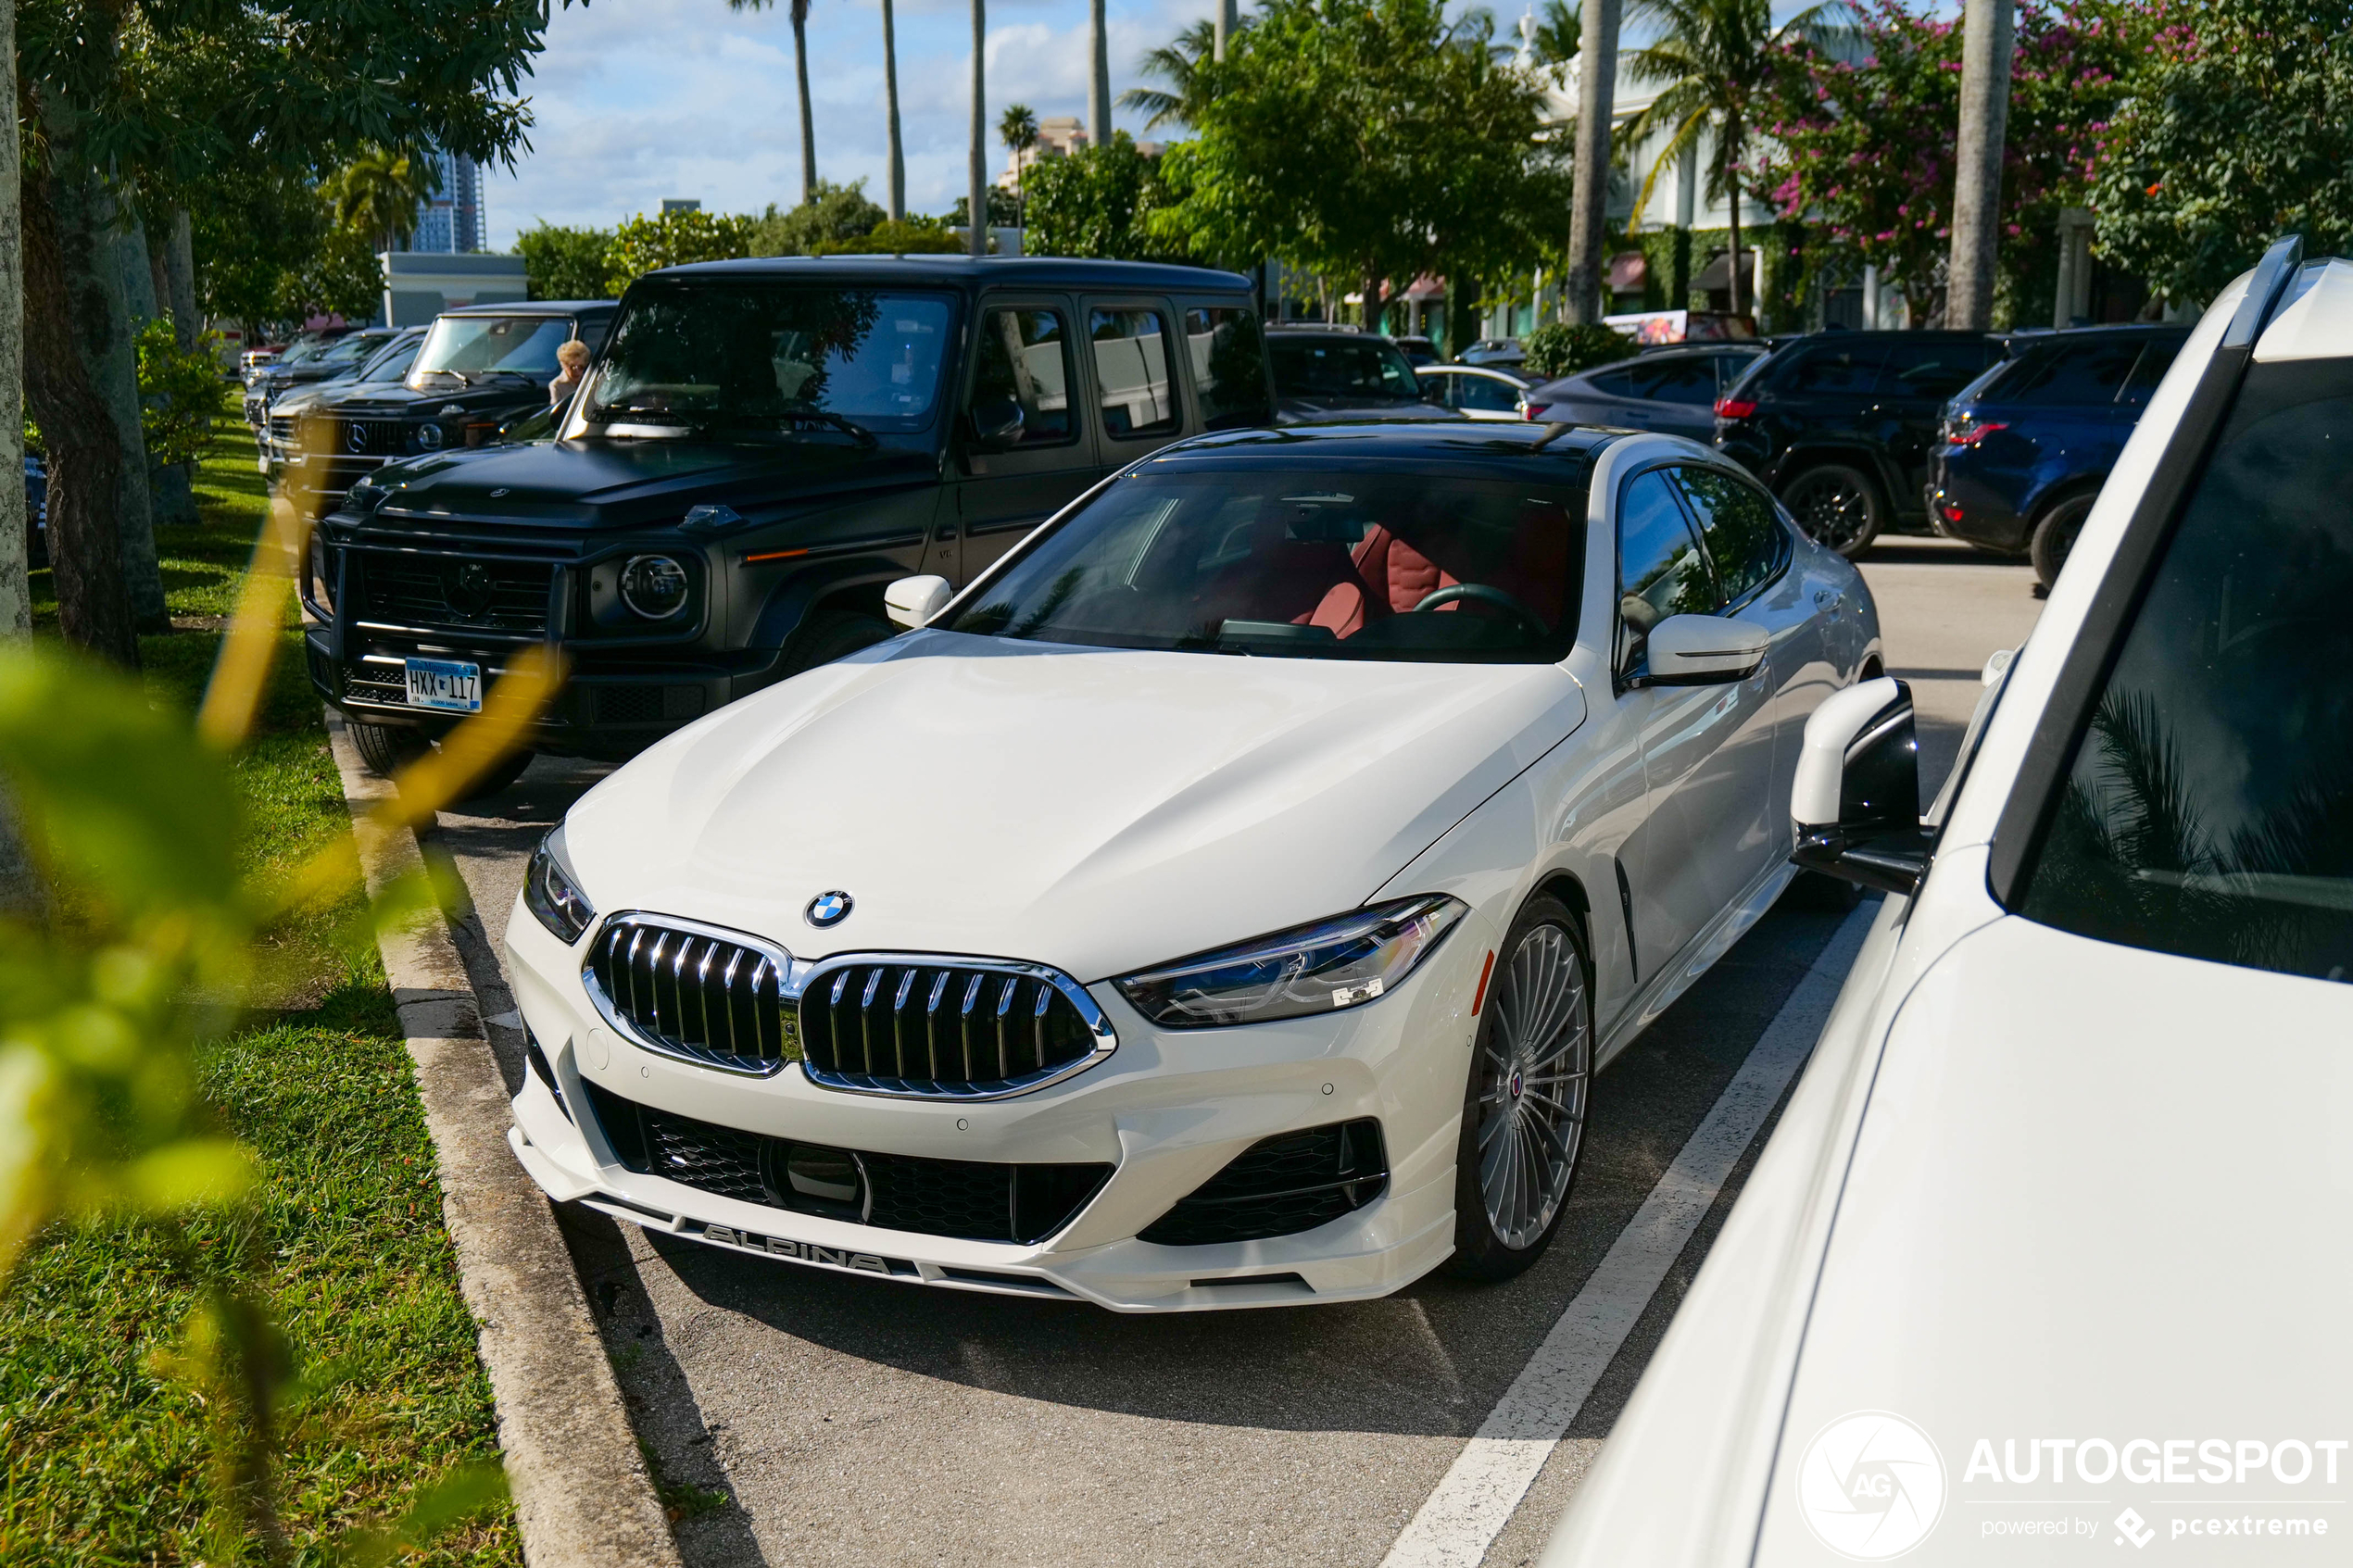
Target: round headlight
column 429, row 437
column 655, row 586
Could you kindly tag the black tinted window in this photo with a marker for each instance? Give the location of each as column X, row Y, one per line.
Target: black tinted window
column 1133, row 371
column 2209, row 808
column 2156, row 359
column 1825, row 368
column 2061, row 374
column 1613, row 383
column 1478, row 391
column 1745, row 538
column 1683, row 378
column 1660, row 571
column 1936, row 368
column 1229, row 367
column 1025, row 359
column 1369, row 366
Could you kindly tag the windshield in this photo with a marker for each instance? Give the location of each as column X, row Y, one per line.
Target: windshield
column 2209, row 808
column 763, row 359
column 392, row 363
column 1331, row 367
column 1382, row 564
column 472, row 348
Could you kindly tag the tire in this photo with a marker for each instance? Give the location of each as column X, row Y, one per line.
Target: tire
column 1516, row 1158
column 2055, row 535
column 1840, row 508
column 499, row 774
column 386, row 749
column 835, row 633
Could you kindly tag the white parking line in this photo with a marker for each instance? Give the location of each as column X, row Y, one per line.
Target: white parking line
column 1474, row 1499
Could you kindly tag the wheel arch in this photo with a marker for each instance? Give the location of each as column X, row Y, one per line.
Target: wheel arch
column 2058, row 492
column 1873, row 463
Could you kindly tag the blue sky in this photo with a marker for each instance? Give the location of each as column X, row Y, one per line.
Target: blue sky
column 637, row 100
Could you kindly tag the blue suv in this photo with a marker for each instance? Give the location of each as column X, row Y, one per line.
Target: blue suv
column 2024, row 448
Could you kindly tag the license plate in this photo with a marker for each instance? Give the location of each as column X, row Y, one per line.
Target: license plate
column 446, row 684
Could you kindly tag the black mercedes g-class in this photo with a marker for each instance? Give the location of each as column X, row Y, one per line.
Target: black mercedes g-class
column 480, row 367
column 761, row 447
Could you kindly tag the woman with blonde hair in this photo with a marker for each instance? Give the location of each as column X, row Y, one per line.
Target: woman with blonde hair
column 573, row 356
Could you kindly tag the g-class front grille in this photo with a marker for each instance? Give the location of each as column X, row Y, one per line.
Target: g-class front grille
column 940, row 1028
column 902, row 1192
column 401, row 588
column 709, row 996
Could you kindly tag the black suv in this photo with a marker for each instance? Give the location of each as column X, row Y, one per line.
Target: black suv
column 480, row 367
column 760, row 449
column 1326, row 373
column 1840, row 425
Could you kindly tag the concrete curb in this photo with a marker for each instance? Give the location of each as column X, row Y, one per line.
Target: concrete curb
column 582, row 1497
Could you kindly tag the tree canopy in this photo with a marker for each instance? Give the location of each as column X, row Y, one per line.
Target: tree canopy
column 1099, row 202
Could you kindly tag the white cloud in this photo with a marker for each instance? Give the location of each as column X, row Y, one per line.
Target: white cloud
column 638, row 100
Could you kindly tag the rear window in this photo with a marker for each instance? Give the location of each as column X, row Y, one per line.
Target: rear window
column 2209, row 807
column 1367, row 367
column 2084, row 373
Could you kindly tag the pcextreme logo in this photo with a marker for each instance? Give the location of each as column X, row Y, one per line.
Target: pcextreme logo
column 1870, row 1485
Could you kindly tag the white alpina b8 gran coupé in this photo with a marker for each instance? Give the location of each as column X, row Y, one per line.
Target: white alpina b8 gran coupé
column 1223, row 901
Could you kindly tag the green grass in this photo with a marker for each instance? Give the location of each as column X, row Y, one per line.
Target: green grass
column 102, row 1458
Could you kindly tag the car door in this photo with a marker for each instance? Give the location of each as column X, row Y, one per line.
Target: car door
column 1671, row 860
column 1915, row 382
column 1751, row 549
column 1025, row 356
column 1677, row 394
column 1137, row 388
column 1485, row 397
column 1228, row 355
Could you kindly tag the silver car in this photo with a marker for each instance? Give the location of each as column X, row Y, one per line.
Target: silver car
column 1672, row 391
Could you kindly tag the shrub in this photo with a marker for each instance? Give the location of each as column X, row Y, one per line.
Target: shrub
column 833, row 216
column 179, row 392
column 566, row 263
column 910, row 237
column 1557, row 349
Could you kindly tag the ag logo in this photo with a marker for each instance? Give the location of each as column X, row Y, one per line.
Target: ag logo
column 1872, row 1486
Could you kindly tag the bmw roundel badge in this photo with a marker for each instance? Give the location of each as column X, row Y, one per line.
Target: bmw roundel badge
column 828, row 908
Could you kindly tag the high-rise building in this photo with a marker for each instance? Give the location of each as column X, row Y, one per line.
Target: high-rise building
column 450, row 220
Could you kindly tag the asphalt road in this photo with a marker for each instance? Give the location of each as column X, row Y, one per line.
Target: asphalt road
column 822, row 1419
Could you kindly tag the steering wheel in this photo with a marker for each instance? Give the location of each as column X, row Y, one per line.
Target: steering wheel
column 1481, row 593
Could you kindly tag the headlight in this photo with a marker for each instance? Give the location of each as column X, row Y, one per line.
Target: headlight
column 1342, row 962
column 655, row 586
column 429, row 437
column 552, row 894
column 365, row 496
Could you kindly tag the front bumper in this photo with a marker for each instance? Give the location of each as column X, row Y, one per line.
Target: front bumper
column 1166, row 1110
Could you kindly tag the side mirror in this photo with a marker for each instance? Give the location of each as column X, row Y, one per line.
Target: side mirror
column 1856, row 802
column 997, row 423
column 1702, row 650
column 912, row 601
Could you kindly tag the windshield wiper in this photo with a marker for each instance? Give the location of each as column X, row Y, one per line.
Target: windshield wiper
column 848, row 427
column 463, row 379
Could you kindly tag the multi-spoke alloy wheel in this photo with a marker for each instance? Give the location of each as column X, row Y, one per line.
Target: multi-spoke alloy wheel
column 1524, row 1111
column 1838, row 507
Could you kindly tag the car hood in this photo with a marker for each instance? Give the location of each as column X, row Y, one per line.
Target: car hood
column 620, row 483
column 2092, row 1198
column 1096, row 809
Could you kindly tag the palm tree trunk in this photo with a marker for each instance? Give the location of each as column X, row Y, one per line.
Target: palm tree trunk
column 1596, row 89
column 890, row 103
column 1986, row 41
column 1732, row 186
column 1098, row 76
column 16, row 595
column 808, row 126
column 976, row 209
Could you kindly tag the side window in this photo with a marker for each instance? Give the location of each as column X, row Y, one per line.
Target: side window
column 1229, row 368
column 1025, row 359
column 2071, row 374
column 2156, row 359
column 1660, row 571
column 1824, row 370
column 1613, row 383
column 1478, row 391
column 1936, row 368
column 1685, row 379
column 1744, row 538
column 1133, row 372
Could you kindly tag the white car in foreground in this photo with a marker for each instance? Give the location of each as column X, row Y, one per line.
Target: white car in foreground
column 2047, row 1258
column 1225, row 901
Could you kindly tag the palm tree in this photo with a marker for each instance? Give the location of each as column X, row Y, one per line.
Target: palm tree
column 1558, row 29
column 1710, row 59
column 898, row 181
column 976, row 170
column 1176, row 63
column 1017, row 128
column 798, row 11
column 377, row 194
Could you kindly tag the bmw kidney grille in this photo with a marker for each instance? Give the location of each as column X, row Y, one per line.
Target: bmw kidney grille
column 938, row 1028
column 712, row 997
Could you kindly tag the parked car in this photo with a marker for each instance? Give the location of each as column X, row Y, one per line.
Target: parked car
column 1418, row 351
column 281, row 433
column 1307, row 959
column 1473, row 391
column 762, row 447
column 1504, row 353
column 2040, row 1234
column 1840, row 425
column 1672, row 391
column 478, row 367
column 2024, row 449
column 329, row 360
column 1325, row 373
